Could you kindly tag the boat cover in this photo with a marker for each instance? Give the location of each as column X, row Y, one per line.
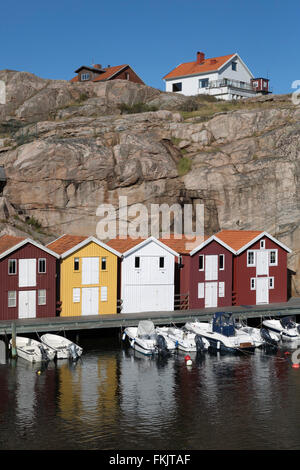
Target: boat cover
column 146, row 328
column 288, row 322
column 223, row 323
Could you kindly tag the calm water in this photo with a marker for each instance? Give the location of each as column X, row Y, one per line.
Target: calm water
column 115, row 399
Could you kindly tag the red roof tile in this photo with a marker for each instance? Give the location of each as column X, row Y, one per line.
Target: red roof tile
column 236, row 239
column 9, row 241
column 193, row 68
column 65, row 243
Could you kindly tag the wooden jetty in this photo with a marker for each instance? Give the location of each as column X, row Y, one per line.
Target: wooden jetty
column 95, row 322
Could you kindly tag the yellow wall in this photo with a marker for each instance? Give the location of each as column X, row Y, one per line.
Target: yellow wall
column 70, row 279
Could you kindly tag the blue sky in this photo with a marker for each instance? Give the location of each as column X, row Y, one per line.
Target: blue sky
column 52, row 39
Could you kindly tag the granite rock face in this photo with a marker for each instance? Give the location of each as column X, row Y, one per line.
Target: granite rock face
column 67, row 149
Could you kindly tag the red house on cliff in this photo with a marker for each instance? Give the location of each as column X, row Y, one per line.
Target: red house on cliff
column 28, row 279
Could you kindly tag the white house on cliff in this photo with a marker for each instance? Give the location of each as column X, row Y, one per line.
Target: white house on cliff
column 226, row 77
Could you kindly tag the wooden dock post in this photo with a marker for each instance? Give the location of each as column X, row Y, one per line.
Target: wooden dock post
column 13, row 340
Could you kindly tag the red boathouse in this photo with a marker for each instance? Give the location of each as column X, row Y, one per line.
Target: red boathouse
column 28, row 279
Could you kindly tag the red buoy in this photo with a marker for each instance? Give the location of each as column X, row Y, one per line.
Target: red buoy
column 287, row 352
column 187, row 358
column 295, row 366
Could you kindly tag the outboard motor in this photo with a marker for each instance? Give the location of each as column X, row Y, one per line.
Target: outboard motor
column 199, row 343
column 161, row 345
column 73, row 352
column 44, row 354
column 265, row 334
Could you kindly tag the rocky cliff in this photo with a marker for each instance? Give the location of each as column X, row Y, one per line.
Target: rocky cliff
column 67, row 148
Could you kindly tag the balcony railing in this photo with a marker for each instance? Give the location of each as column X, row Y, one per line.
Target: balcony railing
column 225, row 82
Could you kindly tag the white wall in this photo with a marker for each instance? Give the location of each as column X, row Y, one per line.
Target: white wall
column 148, row 288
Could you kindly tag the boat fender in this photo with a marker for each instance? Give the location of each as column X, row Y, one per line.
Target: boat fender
column 124, row 336
column 132, row 343
column 188, row 360
column 218, row 345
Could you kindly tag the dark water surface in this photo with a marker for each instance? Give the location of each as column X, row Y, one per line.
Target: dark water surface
column 116, row 399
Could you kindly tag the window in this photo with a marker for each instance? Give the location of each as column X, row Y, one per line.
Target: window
column 76, row 264
column 103, row 264
column 263, row 243
column 273, row 258
column 76, row 295
column 127, row 76
column 221, row 262
column 161, row 262
column 177, row 86
column 137, row 262
column 221, row 289
column 42, row 265
column 12, row 266
column 255, row 84
column 103, row 294
column 271, row 282
column 12, row 298
column 200, row 290
column 85, row 76
column 201, row 262
column 234, row 66
column 203, row 83
column 250, row 258
column 42, row 297
column 252, row 283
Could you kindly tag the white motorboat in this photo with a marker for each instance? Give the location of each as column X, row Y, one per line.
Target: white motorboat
column 146, row 340
column 62, row 347
column 184, row 340
column 260, row 336
column 222, row 334
column 32, row 350
column 286, row 327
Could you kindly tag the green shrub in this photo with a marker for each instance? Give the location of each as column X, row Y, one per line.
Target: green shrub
column 184, row 166
column 136, row 108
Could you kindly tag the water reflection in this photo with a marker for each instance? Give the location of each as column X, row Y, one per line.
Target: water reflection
column 115, row 398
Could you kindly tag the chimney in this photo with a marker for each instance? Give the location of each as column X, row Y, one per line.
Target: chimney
column 97, row 66
column 200, row 57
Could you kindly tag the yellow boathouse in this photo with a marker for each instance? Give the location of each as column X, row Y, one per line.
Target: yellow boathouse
column 88, row 276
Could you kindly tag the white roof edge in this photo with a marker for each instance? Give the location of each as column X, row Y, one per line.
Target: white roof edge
column 32, row 242
column 145, row 242
column 56, row 239
column 85, row 242
column 209, row 240
column 263, row 234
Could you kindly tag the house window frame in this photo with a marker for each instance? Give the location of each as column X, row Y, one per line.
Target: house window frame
column 76, row 270
column 234, row 65
column 201, row 257
column 45, row 260
column 203, row 83
column 42, row 296
column 104, row 294
column 262, row 244
column 159, row 262
column 15, row 264
column 222, row 256
column 276, row 257
column 252, row 283
column 103, row 263
column 77, row 292
column 271, row 282
column 84, row 77
column 179, row 84
column 137, row 258
column 14, row 299
column 251, row 265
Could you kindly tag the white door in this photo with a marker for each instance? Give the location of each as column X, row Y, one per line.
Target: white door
column 90, row 270
column 262, row 263
column 27, row 304
column 147, row 298
column 262, row 290
column 211, row 294
column 90, row 301
column 211, row 267
column 27, row 272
